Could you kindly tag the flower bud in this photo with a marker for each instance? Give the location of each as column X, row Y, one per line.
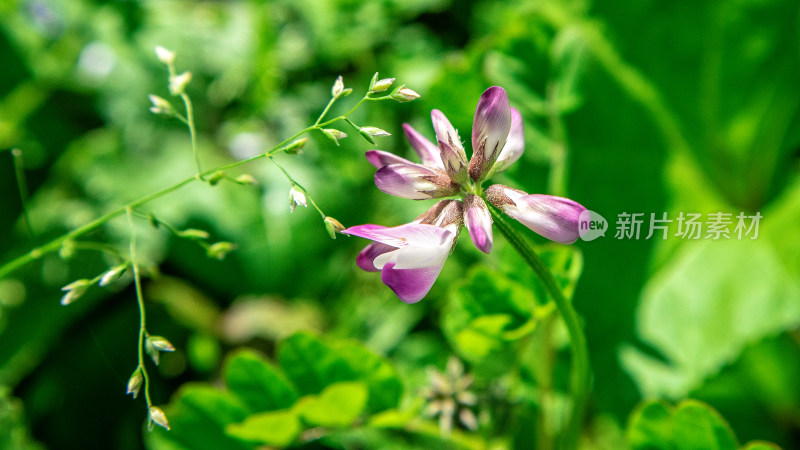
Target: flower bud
column 245, row 179
column 215, row 178
column 296, row 146
column 160, row 344
column 152, row 351
column 296, row 197
column 75, row 290
column 404, row 94
column 338, row 87
column 158, row 417
column 374, row 131
column 177, row 84
column 135, row 383
column 220, row 249
column 334, row 134
column 333, row 226
column 160, row 106
column 113, row 274
column 377, row 85
column 193, row 233
column 165, row 56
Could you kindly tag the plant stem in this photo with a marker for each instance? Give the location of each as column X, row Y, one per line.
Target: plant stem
column 187, row 102
column 56, row 243
column 142, row 316
column 577, row 340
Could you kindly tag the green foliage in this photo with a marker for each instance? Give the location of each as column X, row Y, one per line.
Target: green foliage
column 487, row 313
column 257, row 383
column 647, row 107
column 696, row 426
column 690, row 425
column 340, row 382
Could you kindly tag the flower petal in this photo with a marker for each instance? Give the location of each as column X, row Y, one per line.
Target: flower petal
column 427, row 151
column 515, row 144
column 366, row 259
column 489, row 130
column 479, row 222
column 410, row 285
column 418, row 234
column 555, row 218
column 450, row 148
column 380, row 158
column 414, row 181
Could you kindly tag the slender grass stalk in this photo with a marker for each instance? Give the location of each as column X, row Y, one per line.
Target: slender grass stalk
column 142, row 314
column 577, row 339
column 187, row 103
column 56, row 243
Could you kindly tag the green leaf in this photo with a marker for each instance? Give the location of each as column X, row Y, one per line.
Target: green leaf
column 384, row 386
column 338, row 405
column 274, row 428
column 650, row 427
column 311, row 364
column 692, row 425
column 696, row 426
column 257, row 383
column 485, row 316
column 704, row 307
column 198, row 416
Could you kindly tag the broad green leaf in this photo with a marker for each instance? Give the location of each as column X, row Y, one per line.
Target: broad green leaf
column 274, row 428
column 486, row 314
column 695, row 426
column 311, row 364
column 650, row 427
column 338, row 405
column 702, row 308
column 691, row 425
column 257, row 383
column 392, row 418
column 198, row 416
column 482, row 337
column 385, row 388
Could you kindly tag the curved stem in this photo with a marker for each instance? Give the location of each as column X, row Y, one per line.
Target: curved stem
column 56, row 243
column 142, row 316
column 187, row 103
column 577, row 340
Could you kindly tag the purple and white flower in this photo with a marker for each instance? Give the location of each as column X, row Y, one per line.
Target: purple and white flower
column 410, row 257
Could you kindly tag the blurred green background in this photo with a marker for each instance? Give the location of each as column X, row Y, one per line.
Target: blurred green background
column 643, row 106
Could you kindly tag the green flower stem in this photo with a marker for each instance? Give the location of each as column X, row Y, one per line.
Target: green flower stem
column 142, row 317
column 580, row 354
column 292, row 180
column 56, row 243
column 187, row 102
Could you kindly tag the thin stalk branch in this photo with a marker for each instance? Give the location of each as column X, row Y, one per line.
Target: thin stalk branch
column 142, row 315
column 187, row 103
column 577, row 339
column 56, row 243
